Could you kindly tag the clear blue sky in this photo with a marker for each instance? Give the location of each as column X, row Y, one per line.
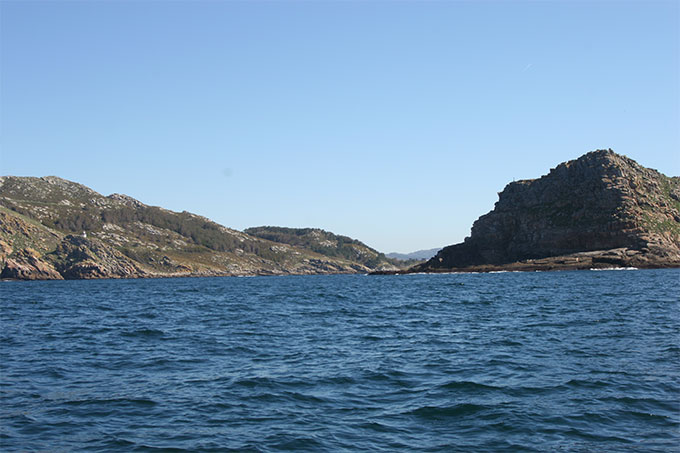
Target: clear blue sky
column 392, row 122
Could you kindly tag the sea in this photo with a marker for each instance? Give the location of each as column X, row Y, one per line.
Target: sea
column 573, row 361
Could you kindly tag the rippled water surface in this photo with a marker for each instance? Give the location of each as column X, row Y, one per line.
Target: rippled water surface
column 559, row 361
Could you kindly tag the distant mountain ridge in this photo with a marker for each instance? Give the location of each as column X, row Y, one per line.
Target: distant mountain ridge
column 600, row 210
column 54, row 228
column 417, row 255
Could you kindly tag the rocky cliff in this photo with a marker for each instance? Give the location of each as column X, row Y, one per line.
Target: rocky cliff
column 600, row 210
column 51, row 228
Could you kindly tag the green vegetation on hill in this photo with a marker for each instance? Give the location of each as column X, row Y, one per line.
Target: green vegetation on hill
column 323, row 243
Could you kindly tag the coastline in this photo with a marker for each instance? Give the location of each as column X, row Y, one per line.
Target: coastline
column 485, row 269
column 593, row 260
column 183, row 275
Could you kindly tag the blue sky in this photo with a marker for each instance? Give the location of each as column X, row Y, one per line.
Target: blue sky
column 392, row 122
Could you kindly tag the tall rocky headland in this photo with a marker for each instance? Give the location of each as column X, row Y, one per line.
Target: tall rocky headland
column 600, row 210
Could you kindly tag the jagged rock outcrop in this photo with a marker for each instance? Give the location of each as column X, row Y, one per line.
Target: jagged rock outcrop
column 27, row 265
column 81, row 258
column 22, row 246
column 603, row 203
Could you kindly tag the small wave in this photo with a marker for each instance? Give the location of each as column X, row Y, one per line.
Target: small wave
column 437, row 412
column 304, row 397
column 341, row 380
column 148, row 315
column 143, row 333
column 271, row 382
column 467, row 385
column 394, row 376
column 378, row 427
column 507, row 342
column 586, row 384
column 253, row 382
column 648, row 416
column 112, row 401
column 294, row 443
column 574, row 432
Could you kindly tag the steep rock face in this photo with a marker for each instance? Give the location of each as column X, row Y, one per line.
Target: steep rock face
column 599, row 202
column 22, row 245
column 27, row 265
column 82, row 258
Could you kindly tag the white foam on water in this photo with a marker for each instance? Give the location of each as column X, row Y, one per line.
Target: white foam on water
column 615, row 269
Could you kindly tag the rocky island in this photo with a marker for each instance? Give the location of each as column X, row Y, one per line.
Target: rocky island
column 51, row 228
column 601, row 210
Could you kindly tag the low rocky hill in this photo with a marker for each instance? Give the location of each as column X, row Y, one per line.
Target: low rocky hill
column 54, row 228
column 600, row 210
column 325, row 243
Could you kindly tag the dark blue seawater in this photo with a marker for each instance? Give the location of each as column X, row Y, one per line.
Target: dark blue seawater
column 560, row 361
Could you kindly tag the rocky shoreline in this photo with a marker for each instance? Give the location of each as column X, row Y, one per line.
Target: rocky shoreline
column 78, row 258
column 601, row 260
